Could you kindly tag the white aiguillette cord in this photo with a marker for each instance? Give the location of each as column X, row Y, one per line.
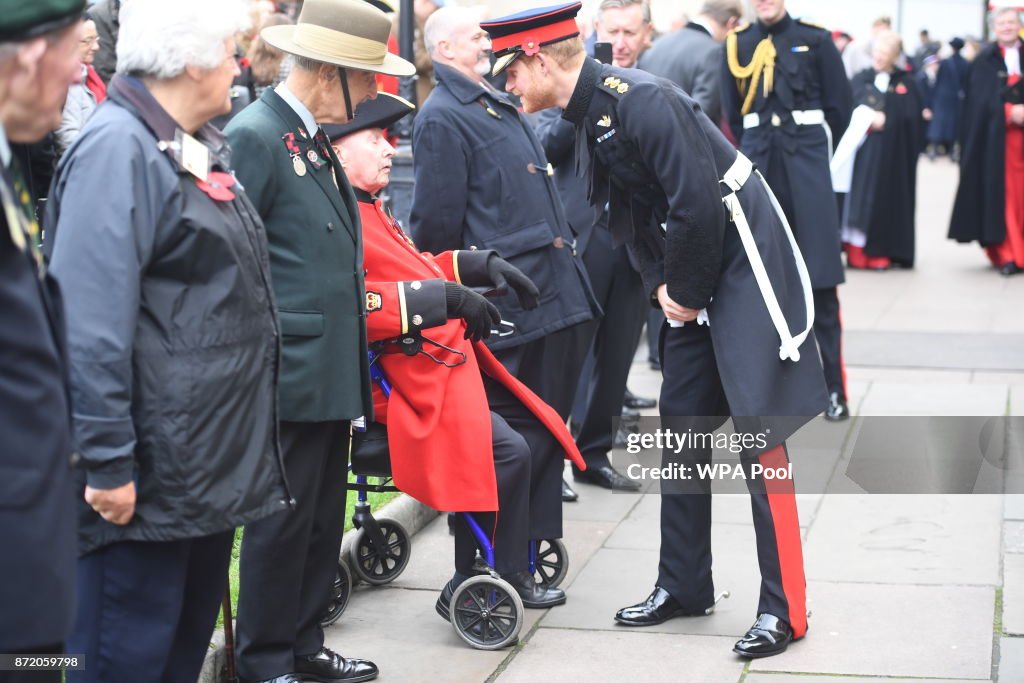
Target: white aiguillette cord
column 734, row 179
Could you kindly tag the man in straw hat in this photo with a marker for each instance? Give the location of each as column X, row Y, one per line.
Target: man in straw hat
column 285, row 161
column 38, row 61
column 716, row 254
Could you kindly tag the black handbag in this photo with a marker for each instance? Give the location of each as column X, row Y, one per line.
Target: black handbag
column 369, row 455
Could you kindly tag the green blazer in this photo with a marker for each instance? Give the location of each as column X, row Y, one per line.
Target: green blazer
column 316, row 261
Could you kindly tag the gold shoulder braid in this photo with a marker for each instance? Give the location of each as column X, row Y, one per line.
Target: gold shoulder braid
column 747, row 77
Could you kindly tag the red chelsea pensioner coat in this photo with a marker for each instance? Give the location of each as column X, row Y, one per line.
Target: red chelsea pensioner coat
column 438, row 419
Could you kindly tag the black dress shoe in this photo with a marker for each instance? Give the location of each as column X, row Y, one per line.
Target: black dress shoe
column 768, row 636
column 1010, row 268
column 568, row 495
column 639, row 402
column 659, row 607
column 837, row 409
column 444, row 602
column 328, row 666
column 287, row 678
column 607, row 477
column 534, row 595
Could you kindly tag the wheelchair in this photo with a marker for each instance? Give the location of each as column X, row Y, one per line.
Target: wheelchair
column 486, row 612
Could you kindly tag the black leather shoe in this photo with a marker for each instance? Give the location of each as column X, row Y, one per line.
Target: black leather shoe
column 534, row 595
column 768, row 636
column 568, row 495
column 639, row 402
column 444, row 602
column 607, row 477
column 837, row 409
column 659, row 607
column 1010, row 268
column 328, row 666
column 287, row 678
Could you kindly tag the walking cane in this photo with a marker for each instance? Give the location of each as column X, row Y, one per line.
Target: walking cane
column 229, row 638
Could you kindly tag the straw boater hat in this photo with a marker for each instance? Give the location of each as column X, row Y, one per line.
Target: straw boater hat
column 347, row 33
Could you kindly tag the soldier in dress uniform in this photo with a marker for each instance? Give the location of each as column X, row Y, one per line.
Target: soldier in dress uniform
column 787, row 100
column 38, row 61
column 716, row 254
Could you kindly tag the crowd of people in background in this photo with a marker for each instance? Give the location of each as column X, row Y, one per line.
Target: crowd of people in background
column 186, row 196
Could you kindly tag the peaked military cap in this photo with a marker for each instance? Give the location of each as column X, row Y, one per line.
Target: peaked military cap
column 24, row 19
column 380, row 112
column 524, row 33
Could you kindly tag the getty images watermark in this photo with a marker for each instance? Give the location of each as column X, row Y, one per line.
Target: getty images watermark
column 676, row 443
column 883, row 454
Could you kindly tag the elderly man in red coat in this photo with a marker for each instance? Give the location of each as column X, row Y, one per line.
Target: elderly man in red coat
column 448, row 449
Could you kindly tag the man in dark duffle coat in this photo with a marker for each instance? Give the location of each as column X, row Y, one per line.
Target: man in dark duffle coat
column 286, row 164
column 483, row 182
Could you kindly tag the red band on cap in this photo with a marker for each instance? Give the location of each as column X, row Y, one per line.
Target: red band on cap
column 530, row 40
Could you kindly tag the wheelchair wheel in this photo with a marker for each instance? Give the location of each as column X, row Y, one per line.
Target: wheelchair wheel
column 487, row 613
column 340, row 593
column 552, row 563
column 378, row 566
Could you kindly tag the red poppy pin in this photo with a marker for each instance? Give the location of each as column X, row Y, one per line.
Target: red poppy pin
column 244, row 63
column 531, row 46
column 901, row 89
column 217, row 186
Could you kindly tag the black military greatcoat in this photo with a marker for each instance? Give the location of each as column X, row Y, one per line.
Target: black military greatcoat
column 657, row 161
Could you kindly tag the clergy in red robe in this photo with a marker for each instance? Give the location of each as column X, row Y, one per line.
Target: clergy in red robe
column 448, row 448
column 989, row 205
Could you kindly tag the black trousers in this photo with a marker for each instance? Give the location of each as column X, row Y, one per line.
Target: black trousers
column 542, row 365
column 829, row 331
column 509, row 529
column 289, row 560
column 619, row 290
column 692, row 389
column 146, row 610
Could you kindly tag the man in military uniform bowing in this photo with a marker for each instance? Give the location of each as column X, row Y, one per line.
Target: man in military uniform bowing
column 788, row 102
column 716, row 255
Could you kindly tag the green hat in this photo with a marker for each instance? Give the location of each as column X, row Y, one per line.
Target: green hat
column 21, row 19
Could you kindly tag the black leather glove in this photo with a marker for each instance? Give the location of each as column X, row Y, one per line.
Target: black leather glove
column 503, row 275
column 479, row 313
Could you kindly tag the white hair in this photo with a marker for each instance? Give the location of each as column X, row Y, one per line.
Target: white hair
column 159, row 38
column 442, row 24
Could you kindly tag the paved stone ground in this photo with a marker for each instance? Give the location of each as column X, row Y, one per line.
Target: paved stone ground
column 903, row 587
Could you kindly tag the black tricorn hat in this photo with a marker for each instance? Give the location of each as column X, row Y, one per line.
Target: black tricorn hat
column 380, row 112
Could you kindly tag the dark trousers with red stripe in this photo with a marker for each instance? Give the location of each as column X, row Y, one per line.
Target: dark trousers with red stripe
column 692, row 392
column 828, row 330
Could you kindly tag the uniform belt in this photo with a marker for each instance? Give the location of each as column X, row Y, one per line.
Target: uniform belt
column 808, row 117
column 733, row 180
